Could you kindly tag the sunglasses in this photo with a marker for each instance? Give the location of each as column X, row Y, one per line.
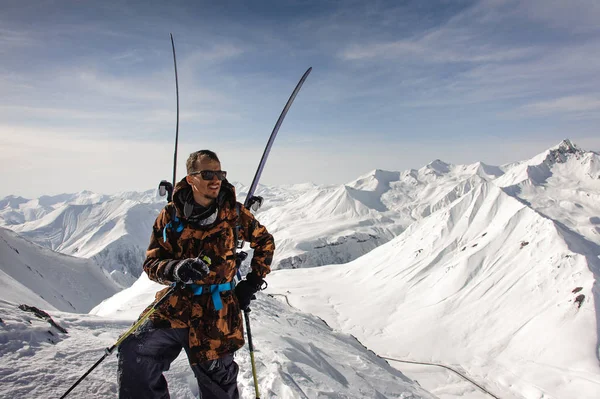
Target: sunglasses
column 210, row 174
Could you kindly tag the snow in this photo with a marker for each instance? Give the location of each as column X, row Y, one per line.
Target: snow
column 487, row 282
column 37, row 276
column 491, row 270
column 297, row 356
column 114, row 231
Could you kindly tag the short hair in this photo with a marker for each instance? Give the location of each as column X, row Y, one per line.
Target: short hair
column 190, row 164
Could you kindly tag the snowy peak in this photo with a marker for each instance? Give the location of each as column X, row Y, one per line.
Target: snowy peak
column 369, row 188
column 566, row 147
column 342, row 201
column 488, row 172
column 377, row 181
column 541, row 167
column 145, row 197
column 562, row 184
column 12, row 202
column 438, row 166
column 561, row 153
column 84, row 197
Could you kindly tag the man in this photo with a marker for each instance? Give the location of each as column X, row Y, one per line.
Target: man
column 193, row 244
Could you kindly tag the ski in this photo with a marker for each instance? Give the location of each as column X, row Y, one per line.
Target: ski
column 250, row 199
column 254, row 203
column 166, row 188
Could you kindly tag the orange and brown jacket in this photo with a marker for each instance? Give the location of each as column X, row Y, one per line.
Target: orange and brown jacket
column 212, row 333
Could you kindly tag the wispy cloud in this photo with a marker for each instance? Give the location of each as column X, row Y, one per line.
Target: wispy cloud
column 471, row 35
column 491, row 52
column 129, row 88
column 445, row 45
column 215, row 53
column 12, row 39
column 569, row 104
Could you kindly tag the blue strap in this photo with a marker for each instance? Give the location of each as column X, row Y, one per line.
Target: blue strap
column 215, row 291
column 170, row 225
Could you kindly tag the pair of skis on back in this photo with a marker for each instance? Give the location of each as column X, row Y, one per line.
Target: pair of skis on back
column 166, row 188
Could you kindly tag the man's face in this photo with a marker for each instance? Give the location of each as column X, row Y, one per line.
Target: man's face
column 205, row 191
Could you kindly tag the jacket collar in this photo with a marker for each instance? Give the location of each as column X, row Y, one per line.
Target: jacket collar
column 183, row 195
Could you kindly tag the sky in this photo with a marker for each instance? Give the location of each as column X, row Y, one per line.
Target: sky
column 88, row 89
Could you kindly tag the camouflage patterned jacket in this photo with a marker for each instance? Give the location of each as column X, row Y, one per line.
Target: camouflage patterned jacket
column 212, row 333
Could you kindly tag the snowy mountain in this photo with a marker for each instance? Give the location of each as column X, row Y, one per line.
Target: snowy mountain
column 39, row 277
column 313, row 225
column 499, row 281
column 114, row 231
column 490, row 270
column 563, row 184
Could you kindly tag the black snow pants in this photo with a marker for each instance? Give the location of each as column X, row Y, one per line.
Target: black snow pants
column 145, row 355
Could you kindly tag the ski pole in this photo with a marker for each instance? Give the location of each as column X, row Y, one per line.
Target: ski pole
column 109, row 351
column 251, row 347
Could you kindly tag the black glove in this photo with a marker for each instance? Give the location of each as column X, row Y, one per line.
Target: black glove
column 189, row 270
column 246, row 289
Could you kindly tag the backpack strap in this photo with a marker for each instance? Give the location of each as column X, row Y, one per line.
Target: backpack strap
column 175, row 225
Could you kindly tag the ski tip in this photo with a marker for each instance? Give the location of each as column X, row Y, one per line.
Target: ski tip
column 306, row 73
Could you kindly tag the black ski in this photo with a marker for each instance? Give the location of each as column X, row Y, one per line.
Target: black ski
column 166, row 188
column 254, row 203
column 249, row 198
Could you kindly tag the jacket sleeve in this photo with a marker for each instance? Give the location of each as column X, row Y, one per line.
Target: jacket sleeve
column 159, row 261
column 260, row 240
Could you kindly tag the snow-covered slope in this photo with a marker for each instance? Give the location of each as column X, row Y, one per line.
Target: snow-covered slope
column 39, row 277
column 486, row 283
column 112, row 230
column 328, row 225
column 297, row 355
column 562, row 183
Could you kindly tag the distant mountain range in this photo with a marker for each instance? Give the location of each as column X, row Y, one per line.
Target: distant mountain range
column 313, row 225
column 492, row 269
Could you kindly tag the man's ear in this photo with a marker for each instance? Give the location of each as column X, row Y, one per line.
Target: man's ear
column 188, row 179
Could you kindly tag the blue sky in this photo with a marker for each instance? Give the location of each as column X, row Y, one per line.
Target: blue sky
column 88, row 94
